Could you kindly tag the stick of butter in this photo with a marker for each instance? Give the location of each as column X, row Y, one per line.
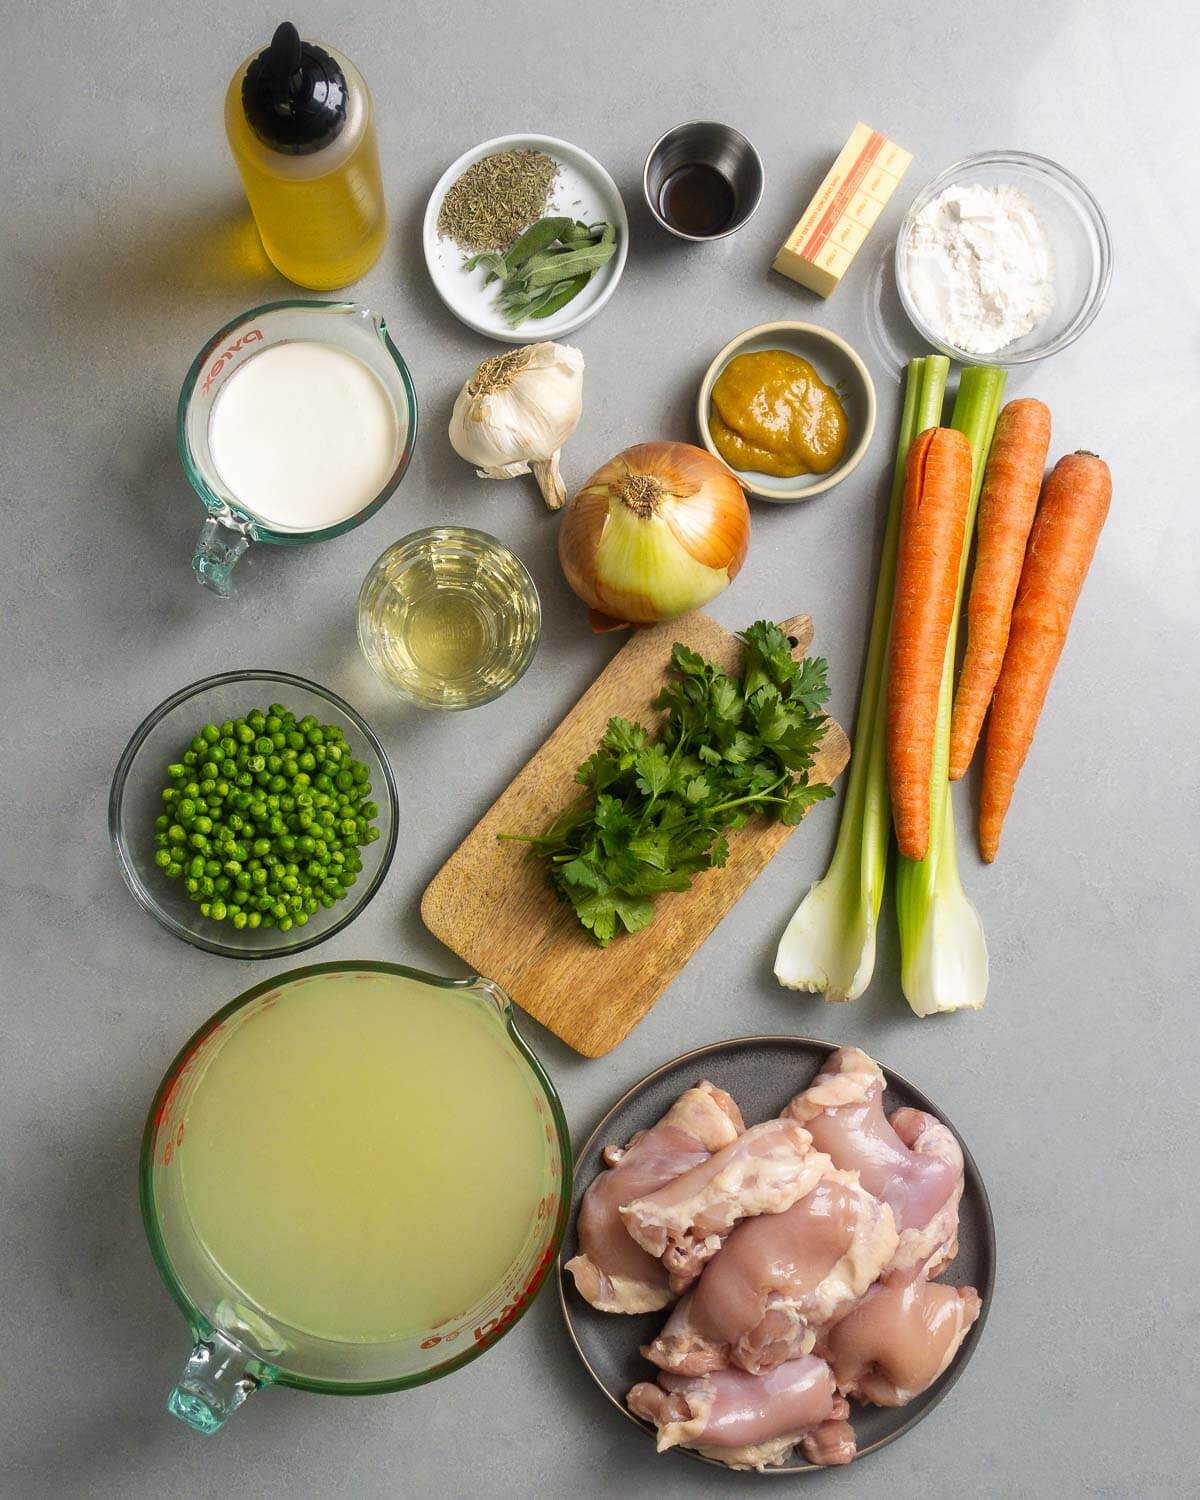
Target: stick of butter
column 819, row 250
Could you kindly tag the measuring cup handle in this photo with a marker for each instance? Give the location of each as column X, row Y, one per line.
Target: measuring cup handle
column 222, row 541
column 215, row 1382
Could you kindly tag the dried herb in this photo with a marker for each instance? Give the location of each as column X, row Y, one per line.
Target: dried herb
column 496, row 198
column 546, row 266
column 657, row 807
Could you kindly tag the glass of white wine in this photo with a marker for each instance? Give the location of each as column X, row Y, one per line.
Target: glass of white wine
column 449, row 617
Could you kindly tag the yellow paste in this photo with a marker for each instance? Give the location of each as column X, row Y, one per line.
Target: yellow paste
column 773, row 414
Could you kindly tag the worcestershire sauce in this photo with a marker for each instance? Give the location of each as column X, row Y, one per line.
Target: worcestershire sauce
column 697, row 200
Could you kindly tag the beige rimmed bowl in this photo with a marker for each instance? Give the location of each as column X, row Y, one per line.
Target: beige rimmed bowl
column 838, row 365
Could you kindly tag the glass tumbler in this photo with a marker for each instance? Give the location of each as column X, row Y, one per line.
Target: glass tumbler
column 449, row 617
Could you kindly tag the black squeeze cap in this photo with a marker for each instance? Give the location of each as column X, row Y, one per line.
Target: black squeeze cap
column 294, row 95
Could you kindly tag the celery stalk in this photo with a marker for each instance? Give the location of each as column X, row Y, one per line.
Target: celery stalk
column 829, row 944
column 943, row 953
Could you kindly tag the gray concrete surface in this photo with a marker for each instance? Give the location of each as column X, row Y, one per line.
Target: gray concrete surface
column 125, row 245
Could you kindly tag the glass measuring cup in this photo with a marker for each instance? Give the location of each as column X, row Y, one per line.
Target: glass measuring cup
column 240, row 1343
column 231, row 526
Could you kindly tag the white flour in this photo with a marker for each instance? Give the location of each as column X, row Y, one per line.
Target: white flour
column 980, row 268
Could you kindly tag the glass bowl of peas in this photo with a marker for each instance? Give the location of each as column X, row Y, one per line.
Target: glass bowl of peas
column 254, row 814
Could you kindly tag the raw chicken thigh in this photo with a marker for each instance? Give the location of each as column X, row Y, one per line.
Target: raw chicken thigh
column 777, row 1279
column 912, row 1162
column 899, row 1339
column 612, row 1272
column 803, row 1251
column 764, row 1171
column 750, row 1421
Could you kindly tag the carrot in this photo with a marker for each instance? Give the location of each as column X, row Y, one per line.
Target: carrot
column 1061, row 544
column 1011, row 483
column 937, row 493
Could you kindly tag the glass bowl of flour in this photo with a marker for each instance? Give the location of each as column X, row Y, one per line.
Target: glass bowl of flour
column 1003, row 259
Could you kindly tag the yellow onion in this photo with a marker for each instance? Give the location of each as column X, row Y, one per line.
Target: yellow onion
column 657, row 531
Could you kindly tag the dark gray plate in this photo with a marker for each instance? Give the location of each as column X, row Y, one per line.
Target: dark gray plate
column 762, row 1073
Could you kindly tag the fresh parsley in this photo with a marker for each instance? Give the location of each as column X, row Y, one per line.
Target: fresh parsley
column 656, row 807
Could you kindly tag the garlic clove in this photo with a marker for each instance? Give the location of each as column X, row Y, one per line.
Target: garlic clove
column 550, row 480
column 503, row 471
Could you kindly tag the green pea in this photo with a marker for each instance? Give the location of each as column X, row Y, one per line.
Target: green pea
column 240, row 919
column 163, row 858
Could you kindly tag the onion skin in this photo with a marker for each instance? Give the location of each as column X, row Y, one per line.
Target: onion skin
column 655, row 533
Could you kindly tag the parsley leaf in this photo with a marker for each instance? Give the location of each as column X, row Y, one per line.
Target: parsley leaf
column 656, row 807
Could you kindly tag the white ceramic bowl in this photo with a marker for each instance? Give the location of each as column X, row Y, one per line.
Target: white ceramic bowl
column 584, row 190
column 838, row 365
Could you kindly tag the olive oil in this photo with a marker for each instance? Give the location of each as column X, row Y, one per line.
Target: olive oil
column 301, row 126
column 363, row 1160
column 449, row 616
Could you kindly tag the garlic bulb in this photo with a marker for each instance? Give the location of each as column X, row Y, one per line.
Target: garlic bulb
column 516, row 412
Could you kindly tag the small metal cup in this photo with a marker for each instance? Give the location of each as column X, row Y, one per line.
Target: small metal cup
column 705, row 143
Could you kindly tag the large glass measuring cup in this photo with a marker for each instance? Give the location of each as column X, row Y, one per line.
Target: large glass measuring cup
column 231, row 525
column 241, row 1342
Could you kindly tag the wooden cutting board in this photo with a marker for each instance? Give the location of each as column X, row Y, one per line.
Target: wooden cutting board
column 492, row 906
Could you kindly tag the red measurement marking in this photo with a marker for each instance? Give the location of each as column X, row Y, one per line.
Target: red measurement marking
column 837, row 205
column 231, row 352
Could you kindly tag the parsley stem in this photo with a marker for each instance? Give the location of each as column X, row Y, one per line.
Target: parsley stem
column 751, row 797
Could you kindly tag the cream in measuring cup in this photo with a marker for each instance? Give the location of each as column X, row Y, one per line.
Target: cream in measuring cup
column 304, row 434
column 296, row 422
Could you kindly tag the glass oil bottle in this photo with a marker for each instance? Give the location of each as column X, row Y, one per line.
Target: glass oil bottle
column 301, row 125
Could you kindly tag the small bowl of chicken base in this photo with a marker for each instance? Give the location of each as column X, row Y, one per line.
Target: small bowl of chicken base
column 838, row 365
